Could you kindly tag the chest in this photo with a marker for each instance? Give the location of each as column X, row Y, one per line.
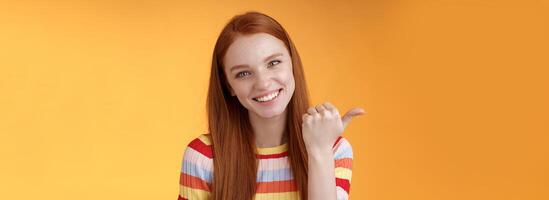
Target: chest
column 275, row 180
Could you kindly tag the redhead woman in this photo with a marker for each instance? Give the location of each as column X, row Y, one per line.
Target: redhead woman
column 264, row 140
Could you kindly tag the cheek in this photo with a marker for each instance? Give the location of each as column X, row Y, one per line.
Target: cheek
column 289, row 77
column 232, row 86
column 289, row 81
column 240, row 89
column 291, row 84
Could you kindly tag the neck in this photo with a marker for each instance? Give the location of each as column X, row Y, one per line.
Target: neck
column 268, row 132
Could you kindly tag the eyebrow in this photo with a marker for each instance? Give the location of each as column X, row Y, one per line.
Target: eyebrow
column 264, row 60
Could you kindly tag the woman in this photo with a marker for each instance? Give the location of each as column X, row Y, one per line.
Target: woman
column 264, row 140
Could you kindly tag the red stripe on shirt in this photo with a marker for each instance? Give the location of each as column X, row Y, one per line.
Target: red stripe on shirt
column 339, row 138
column 276, row 186
column 199, row 146
column 278, row 155
column 343, row 183
column 193, row 182
column 344, row 162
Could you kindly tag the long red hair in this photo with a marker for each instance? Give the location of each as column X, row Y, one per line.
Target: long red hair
column 235, row 164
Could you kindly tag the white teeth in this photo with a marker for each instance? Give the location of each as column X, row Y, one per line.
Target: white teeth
column 268, row 97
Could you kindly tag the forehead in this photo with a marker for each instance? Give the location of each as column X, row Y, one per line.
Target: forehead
column 252, row 49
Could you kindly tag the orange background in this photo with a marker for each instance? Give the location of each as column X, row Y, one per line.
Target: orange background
column 98, row 99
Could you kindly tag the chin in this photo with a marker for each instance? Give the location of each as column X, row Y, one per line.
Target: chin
column 269, row 113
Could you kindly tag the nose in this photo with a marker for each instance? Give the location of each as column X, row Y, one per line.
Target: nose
column 263, row 81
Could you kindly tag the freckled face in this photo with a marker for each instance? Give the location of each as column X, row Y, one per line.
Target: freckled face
column 258, row 68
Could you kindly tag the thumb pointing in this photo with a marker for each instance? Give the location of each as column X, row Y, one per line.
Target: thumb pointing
column 350, row 114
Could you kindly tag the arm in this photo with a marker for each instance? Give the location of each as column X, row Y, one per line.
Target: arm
column 196, row 171
column 329, row 169
column 328, row 177
column 321, row 181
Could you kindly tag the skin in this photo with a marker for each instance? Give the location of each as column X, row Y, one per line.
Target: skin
column 258, row 77
column 322, row 124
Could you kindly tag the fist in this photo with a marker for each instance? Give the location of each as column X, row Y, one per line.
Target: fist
column 322, row 125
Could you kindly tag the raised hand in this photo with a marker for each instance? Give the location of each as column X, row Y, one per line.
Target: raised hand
column 322, row 125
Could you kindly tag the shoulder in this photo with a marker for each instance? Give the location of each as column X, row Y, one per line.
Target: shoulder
column 198, row 159
column 342, row 149
column 201, row 145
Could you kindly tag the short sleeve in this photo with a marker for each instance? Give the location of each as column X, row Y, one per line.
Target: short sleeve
column 196, row 170
column 343, row 158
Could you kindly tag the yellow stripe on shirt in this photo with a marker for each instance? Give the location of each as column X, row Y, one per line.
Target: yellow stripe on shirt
column 277, row 196
column 191, row 193
column 344, row 173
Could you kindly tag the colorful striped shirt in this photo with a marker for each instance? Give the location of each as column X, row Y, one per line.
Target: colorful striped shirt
column 274, row 175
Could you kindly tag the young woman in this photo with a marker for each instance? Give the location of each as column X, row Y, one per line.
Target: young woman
column 264, row 140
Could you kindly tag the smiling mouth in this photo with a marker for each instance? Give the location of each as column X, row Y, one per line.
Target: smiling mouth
column 268, row 97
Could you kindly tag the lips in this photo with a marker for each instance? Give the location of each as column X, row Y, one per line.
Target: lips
column 268, row 96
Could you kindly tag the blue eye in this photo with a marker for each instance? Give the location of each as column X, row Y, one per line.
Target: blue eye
column 242, row 74
column 277, row 61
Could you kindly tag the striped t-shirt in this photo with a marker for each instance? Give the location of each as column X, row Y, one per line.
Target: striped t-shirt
column 274, row 174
